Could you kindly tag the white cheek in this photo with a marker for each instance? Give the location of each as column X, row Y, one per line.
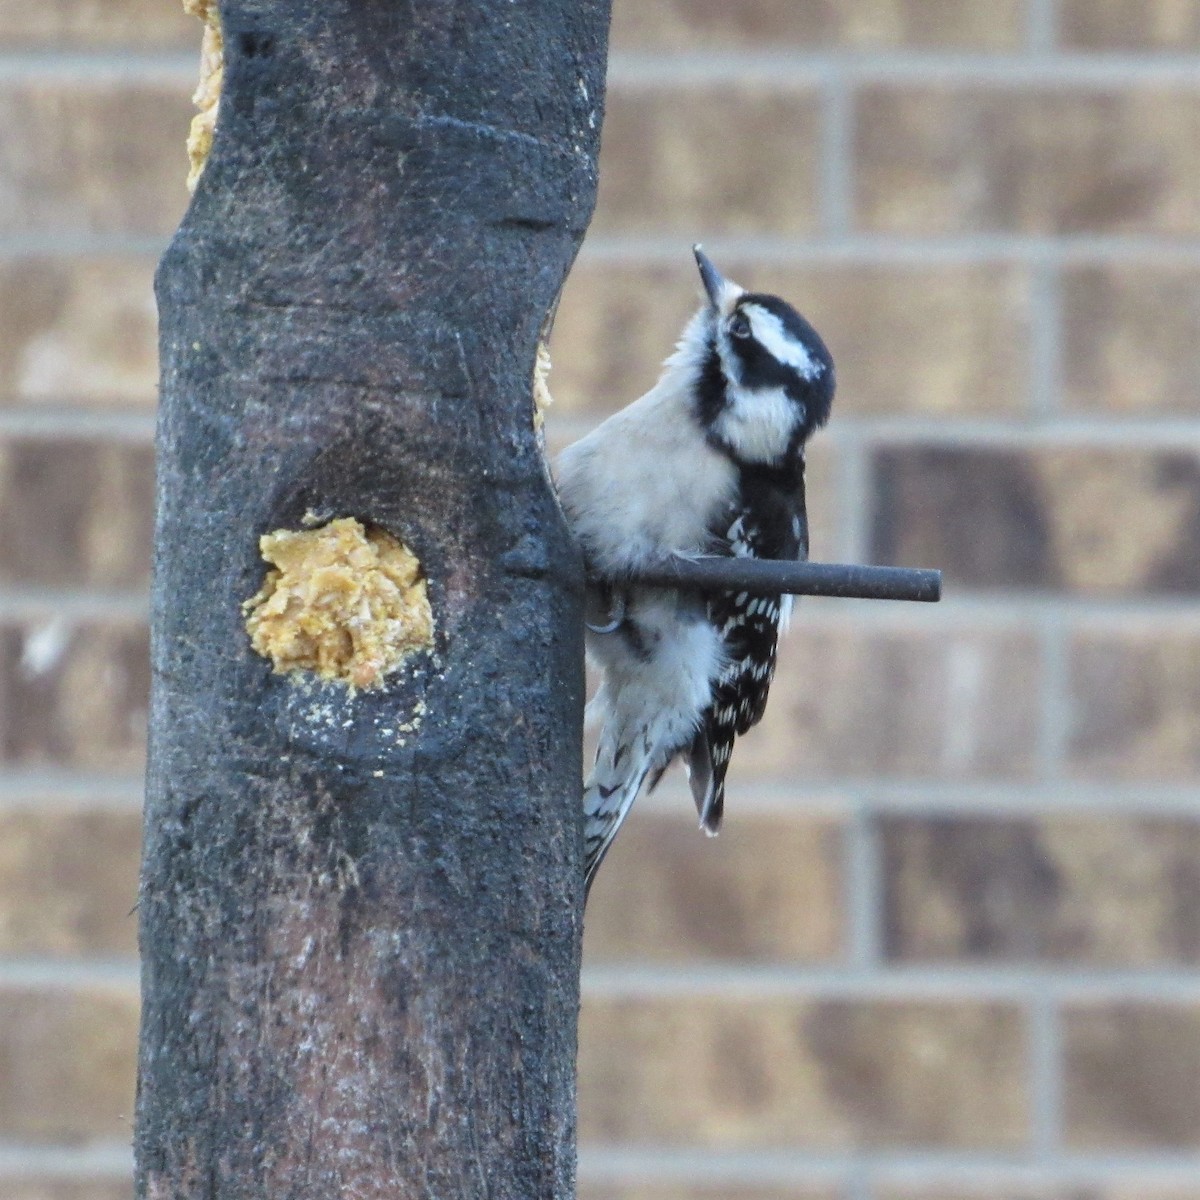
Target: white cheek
column 758, row 425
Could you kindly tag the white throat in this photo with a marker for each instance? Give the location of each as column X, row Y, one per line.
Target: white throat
column 758, row 426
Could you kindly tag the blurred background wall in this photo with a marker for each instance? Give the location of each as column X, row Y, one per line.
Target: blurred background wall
column 947, row 948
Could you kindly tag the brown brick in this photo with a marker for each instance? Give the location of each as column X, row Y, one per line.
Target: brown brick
column 73, row 695
column 87, row 23
column 67, row 1189
column 92, row 157
column 955, row 159
column 1130, row 24
column 68, row 881
column 1130, row 342
column 936, row 341
column 672, row 162
column 945, row 702
column 77, row 513
column 1132, row 1076
column 1106, row 892
column 77, row 331
column 67, row 1064
column 1135, row 697
column 776, row 24
column 1076, row 519
column 973, row 511
column 755, row 1073
column 642, row 310
column 769, row 889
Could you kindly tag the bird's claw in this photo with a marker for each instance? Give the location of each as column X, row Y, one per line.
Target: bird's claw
column 616, row 615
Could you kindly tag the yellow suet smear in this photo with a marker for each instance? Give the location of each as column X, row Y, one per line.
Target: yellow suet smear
column 344, row 602
column 541, row 386
column 208, row 93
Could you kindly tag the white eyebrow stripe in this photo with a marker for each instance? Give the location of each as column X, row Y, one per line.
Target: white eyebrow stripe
column 769, row 332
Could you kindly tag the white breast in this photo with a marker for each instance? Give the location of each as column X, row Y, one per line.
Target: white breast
column 644, row 483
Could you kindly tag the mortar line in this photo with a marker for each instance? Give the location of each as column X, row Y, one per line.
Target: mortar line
column 1054, row 728
column 1024, row 985
column 1066, row 1170
column 799, row 797
column 863, row 889
column 1015, row 984
column 1003, row 612
column 72, row 607
column 836, row 156
column 636, row 249
column 898, row 250
column 109, row 974
column 1059, row 70
column 989, row 611
column 656, row 69
column 78, row 424
column 70, row 244
column 608, row 1161
column 72, row 803
column 854, row 495
column 662, row 1164
column 103, row 66
column 1088, row 431
column 1045, row 1074
column 1045, row 352
column 858, row 1182
column 97, row 1160
column 1041, row 27
column 613, row 1162
column 804, row 798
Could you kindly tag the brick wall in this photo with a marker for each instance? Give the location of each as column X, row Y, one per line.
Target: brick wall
column 947, row 948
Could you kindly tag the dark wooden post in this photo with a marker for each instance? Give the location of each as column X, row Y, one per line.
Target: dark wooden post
column 360, row 913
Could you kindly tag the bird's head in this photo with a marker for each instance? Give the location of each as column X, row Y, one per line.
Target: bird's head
column 764, row 379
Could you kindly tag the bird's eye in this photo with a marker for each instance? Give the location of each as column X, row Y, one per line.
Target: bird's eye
column 739, row 326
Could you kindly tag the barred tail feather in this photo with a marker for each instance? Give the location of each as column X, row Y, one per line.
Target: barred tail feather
column 658, row 683
column 706, row 775
column 609, row 793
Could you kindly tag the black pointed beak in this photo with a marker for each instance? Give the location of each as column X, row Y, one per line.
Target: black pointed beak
column 713, row 280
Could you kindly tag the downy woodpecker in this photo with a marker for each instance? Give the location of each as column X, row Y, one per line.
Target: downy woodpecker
column 709, row 461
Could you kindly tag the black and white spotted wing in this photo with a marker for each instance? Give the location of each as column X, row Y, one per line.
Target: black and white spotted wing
column 770, row 522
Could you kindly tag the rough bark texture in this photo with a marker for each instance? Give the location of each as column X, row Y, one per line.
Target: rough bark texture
column 360, row 941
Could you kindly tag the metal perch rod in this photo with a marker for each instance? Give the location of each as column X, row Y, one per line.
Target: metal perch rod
column 771, row 577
